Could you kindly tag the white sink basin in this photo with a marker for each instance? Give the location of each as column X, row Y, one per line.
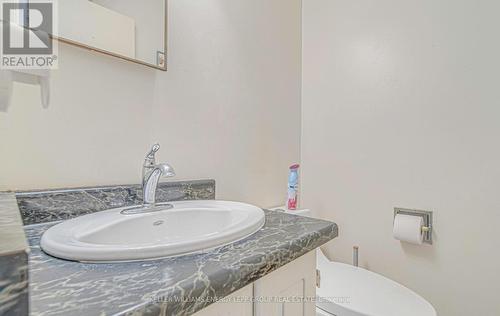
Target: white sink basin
column 190, row 226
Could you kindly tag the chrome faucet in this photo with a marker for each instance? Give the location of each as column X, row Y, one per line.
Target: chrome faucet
column 151, row 174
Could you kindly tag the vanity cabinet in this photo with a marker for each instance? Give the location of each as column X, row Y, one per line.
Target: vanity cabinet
column 237, row 304
column 287, row 291
column 291, row 289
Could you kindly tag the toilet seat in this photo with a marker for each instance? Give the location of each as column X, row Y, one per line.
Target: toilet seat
column 350, row 291
column 320, row 312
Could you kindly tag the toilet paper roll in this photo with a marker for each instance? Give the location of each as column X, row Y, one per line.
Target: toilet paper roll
column 408, row 228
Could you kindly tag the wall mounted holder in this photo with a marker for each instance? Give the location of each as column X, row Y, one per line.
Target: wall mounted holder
column 426, row 215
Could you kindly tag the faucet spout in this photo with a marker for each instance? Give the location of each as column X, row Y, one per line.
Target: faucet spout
column 152, row 173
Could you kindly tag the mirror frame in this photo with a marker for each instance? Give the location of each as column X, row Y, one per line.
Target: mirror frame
column 136, row 61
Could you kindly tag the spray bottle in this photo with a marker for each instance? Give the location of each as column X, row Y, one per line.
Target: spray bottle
column 293, row 186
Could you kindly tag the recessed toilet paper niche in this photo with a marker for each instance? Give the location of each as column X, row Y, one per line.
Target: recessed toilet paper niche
column 427, row 221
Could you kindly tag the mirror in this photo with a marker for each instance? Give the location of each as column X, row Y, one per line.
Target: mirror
column 129, row 29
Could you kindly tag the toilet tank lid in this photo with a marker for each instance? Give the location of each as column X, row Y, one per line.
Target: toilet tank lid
column 364, row 293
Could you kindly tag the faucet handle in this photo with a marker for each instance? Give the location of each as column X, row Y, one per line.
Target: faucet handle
column 152, row 152
column 150, row 159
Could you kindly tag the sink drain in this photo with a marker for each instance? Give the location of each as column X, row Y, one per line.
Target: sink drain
column 158, row 223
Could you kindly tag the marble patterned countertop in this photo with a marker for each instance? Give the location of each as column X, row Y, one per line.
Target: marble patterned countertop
column 172, row 286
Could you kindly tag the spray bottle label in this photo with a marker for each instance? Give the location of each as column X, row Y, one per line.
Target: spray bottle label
column 293, row 181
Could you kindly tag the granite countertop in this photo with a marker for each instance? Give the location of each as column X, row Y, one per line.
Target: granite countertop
column 172, row 286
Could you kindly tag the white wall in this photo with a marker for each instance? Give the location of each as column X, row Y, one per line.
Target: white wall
column 228, row 108
column 401, row 108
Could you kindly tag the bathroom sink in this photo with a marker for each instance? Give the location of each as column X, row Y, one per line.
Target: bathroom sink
column 174, row 229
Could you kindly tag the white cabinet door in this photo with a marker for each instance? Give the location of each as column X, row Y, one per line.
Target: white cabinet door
column 237, row 304
column 288, row 291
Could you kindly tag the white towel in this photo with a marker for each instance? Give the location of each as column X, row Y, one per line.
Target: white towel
column 36, row 77
column 5, row 89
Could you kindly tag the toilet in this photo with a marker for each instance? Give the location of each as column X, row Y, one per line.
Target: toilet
column 346, row 290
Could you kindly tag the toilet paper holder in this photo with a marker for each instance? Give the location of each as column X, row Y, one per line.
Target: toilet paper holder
column 426, row 215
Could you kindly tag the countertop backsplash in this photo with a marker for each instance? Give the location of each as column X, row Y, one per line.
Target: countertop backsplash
column 56, row 205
